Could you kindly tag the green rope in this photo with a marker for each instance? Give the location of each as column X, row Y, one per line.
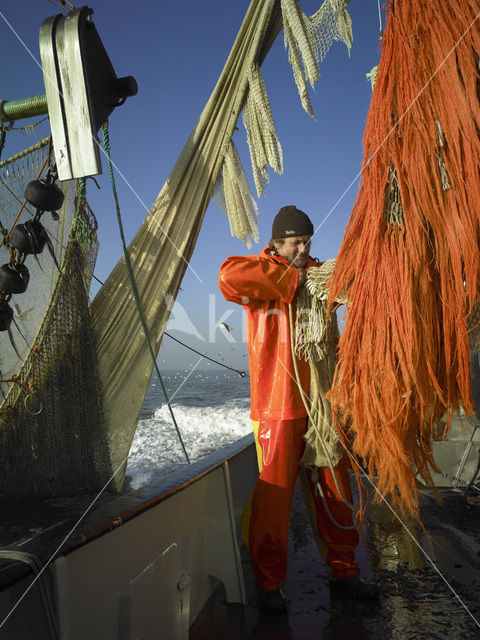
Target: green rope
column 106, row 145
column 82, row 229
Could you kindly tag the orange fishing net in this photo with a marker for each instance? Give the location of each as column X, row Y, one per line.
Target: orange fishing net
column 410, row 257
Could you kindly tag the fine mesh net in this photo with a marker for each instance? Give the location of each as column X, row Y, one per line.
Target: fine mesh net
column 262, row 135
column 309, row 39
column 473, row 324
column 316, row 340
column 233, row 195
column 52, row 437
column 163, row 245
column 372, row 76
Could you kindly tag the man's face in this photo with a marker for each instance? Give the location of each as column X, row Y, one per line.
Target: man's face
column 294, row 249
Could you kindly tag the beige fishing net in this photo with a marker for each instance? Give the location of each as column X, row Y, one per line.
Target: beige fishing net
column 233, row 195
column 309, row 39
column 161, row 249
column 372, row 76
column 57, row 437
column 316, row 340
column 262, row 135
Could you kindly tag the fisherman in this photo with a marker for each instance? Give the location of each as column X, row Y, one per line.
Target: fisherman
column 264, row 285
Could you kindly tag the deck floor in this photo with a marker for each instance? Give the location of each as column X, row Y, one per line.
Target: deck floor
column 430, row 583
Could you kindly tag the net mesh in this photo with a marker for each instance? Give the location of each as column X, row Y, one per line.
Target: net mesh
column 316, row 340
column 233, row 195
column 473, row 324
column 262, row 135
column 392, row 208
column 163, row 245
column 372, row 76
column 309, row 39
column 52, row 437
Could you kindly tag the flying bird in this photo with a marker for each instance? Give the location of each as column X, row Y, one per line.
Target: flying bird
column 224, row 325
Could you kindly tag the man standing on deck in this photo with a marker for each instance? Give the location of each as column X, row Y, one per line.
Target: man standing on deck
column 265, row 284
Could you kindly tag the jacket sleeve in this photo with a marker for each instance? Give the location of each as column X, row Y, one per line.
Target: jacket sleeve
column 244, row 279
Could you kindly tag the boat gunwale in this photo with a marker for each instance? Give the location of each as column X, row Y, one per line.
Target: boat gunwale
column 168, row 485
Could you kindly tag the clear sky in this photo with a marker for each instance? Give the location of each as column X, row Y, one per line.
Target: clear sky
column 176, row 51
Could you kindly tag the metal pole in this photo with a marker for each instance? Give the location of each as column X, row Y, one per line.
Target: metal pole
column 25, row 108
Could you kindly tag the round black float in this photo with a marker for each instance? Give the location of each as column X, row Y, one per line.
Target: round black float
column 14, row 278
column 44, row 196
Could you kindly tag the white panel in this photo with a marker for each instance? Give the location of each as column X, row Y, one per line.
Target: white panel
column 84, row 154
column 54, row 100
column 75, row 141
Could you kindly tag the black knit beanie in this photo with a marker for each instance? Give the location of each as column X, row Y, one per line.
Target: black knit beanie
column 290, row 221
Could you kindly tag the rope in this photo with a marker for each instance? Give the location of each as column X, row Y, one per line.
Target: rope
column 25, row 152
column 106, row 145
column 314, row 422
column 242, row 374
column 379, row 18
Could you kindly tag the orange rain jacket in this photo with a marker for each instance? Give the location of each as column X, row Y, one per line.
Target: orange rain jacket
column 264, row 285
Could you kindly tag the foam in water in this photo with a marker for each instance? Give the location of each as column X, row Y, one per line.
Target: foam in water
column 211, row 411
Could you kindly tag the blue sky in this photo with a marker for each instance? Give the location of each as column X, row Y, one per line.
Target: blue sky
column 176, row 51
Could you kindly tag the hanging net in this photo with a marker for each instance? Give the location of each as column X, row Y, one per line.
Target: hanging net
column 316, row 339
column 308, row 40
column 52, row 437
column 410, row 257
column 161, row 250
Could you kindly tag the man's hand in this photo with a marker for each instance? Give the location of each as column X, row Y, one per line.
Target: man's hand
column 302, row 276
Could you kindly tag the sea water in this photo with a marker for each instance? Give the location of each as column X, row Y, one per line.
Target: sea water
column 211, row 409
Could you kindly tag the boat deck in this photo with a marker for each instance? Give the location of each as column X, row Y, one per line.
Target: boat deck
column 428, row 590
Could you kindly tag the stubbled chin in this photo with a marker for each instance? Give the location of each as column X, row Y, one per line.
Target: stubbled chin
column 299, row 262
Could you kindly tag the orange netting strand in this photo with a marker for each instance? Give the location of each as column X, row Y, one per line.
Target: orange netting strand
column 404, row 355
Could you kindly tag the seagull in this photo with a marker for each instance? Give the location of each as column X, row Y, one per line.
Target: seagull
column 224, row 325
